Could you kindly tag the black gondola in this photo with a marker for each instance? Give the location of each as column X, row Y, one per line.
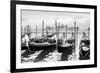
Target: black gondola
column 40, row 46
column 84, row 48
column 46, row 45
column 64, row 47
column 84, row 53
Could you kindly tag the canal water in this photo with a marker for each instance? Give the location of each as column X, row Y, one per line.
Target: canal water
column 51, row 55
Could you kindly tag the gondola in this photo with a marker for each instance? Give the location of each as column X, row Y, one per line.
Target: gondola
column 40, row 46
column 86, row 42
column 84, row 52
column 23, row 46
column 68, row 46
column 51, row 43
column 65, row 47
column 71, row 41
column 45, row 38
column 84, row 48
column 46, row 45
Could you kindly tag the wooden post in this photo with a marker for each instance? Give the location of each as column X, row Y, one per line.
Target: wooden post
column 77, row 34
column 52, row 29
column 42, row 28
column 88, row 33
column 36, row 31
column 56, row 26
column 56, row 36
column 66, row 31
column 58, row 29
column 47, row 32
column 74, row 35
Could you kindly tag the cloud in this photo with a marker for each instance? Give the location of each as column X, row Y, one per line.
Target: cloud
column 35, row 18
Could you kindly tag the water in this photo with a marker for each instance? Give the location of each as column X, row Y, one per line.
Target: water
column 52, row 55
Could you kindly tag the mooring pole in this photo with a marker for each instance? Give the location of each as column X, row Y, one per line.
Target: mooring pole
column 36, row 31
column 52, row 29
column 58, row 29
column 56, row 36
column 88, row 33
column 74, row 35
column 66, row 31
column 42, row 28
column 77, row 35
column 47, row 32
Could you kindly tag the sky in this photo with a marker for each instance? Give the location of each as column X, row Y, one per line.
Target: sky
column 35, row 18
